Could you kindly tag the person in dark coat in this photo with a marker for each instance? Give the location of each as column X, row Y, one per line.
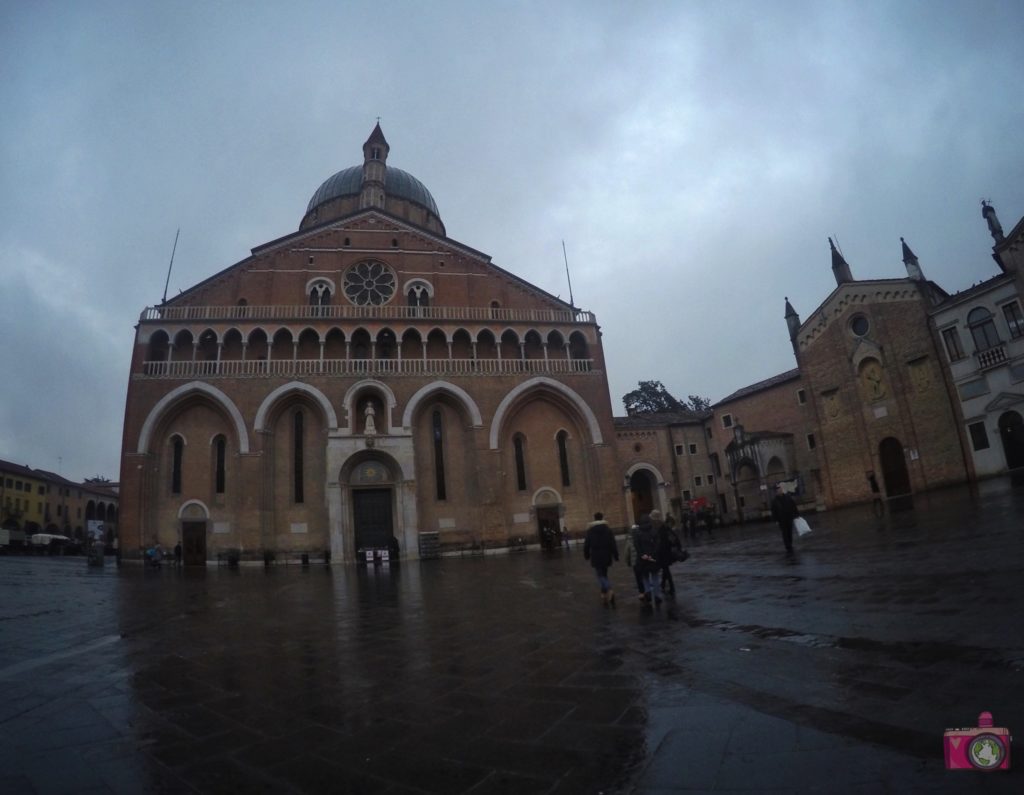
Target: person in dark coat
column 784, row 511
column 600, row 549
column 645, row 539
column 668, row 543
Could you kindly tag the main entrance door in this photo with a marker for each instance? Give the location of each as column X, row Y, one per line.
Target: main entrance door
column 193, row 543
column 1011, row 431
column 894, row 467
column 371, row 512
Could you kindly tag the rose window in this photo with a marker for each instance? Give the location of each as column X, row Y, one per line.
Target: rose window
column 369, row 283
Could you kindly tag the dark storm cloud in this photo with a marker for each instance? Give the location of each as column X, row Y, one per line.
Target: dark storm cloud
column 694, row 157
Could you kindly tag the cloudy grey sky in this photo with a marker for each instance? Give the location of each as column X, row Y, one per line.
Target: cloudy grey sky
column 693, row 156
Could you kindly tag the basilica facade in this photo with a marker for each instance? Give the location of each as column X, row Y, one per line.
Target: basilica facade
column 362, row 379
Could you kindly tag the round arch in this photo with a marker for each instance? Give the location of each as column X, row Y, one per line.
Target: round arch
column 182, row 392
column 292, row 388
column 349, row 405
column 183, row 511
column 542, row 382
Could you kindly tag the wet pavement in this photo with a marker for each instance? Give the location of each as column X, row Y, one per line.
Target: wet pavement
column 836, row 670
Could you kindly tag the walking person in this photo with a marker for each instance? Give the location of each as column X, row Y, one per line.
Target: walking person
column 784, row 511
column 645, row 539
column 633, row 560
column 177, row 555
column 600, row 549
column 668, row 543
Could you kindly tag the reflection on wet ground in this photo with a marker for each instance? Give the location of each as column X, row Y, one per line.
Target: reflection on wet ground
column 505, row 673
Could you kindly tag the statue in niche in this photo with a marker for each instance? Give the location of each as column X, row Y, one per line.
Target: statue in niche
column 872, row 374
column 369, row 413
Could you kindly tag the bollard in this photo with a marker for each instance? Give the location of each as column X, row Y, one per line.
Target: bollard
column 305, row 558
column 327, row 557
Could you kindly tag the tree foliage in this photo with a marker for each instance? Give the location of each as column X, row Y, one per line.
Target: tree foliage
column 651, row 396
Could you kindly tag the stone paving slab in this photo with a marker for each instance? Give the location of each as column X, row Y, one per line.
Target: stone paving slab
column 832, row 671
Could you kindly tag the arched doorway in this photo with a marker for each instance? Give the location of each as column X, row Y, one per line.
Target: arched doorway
column 749, row 497
column 894, row 467
column 641, row 493
column 193, row 534
column 372, row 500
column 1011, row 431
column 547, row 506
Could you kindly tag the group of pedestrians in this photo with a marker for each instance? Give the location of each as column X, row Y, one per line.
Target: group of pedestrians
column 651, row 550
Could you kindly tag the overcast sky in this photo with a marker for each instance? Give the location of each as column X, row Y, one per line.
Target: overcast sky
column 693, row 156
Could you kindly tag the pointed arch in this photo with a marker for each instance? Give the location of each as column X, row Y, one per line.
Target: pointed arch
column 542, row 382
column 182, row 392
column 429, row 390
column 290, row 388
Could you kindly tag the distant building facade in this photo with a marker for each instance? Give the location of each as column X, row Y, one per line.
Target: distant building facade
column 37, row 501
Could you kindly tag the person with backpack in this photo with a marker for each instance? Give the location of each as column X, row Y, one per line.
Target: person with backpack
column 645, row 540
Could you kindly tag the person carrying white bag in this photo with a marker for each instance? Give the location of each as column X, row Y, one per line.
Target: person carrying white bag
column 785, row 512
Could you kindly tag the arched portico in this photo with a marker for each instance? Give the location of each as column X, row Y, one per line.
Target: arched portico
column 645, row 491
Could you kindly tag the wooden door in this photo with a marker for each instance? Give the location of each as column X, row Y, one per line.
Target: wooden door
column 371, row 509
column 193, row 543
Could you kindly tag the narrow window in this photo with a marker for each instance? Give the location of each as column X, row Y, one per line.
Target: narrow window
column 520, row 464
column 811, row 443
column 221, row 446
column 953, row 348
column 979, row 436
column 563, row 457
column 439, row 456
column 178, row 448
column 697, row 480
column 297, row 457
column 801, row 396
column 693, row 449
column 687, row 495
column 727, row 420
column 679, row 449
column 1014, row 319
column 711, row 480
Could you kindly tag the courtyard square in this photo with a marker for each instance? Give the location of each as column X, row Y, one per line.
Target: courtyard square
column 836, row 670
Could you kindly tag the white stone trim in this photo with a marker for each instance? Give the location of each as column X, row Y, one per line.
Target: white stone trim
column 442, row 386
column 285, row 389
column 557, row 386
column 200, row 503
column 349, row 400
column 186, row 389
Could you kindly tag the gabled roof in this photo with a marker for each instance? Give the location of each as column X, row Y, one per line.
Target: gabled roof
column 293, row 237
column 9, row 467
column 768, row 383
